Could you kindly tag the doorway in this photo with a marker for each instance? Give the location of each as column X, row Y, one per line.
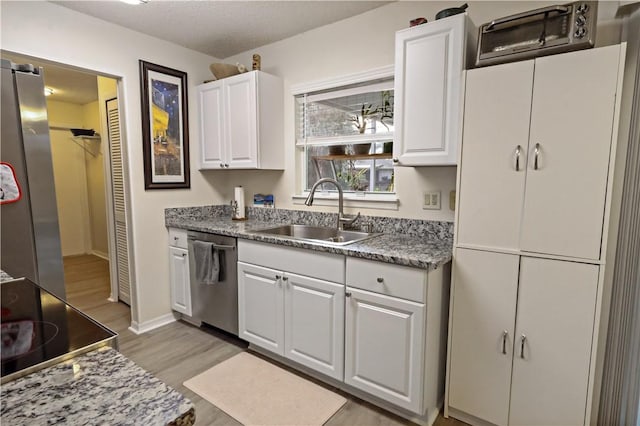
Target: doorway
column 85, row 135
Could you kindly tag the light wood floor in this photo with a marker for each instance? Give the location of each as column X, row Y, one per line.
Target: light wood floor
column 179, row 351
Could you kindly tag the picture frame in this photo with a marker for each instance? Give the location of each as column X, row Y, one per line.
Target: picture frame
column 165, row 127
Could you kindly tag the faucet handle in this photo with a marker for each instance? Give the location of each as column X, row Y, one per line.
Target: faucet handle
column 348, row 220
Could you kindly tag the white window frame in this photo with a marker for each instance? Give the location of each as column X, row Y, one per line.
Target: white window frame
column 383, row 201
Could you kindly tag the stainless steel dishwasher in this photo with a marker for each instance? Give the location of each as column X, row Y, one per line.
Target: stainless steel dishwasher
column 216, row 304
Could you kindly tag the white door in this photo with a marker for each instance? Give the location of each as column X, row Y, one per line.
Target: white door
column 429, row 68
column 212, row 155
column 179, row 279
column 494, row 154
column 241, row 121
column 314, row 324
column 571, row 125
column 485, row 287
column 119, row 202
column 556, row 311
column 384, row 347
column 260, row 307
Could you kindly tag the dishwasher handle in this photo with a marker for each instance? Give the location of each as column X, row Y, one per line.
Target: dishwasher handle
column 214, row 245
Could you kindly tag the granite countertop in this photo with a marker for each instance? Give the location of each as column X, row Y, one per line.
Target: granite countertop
column 4, row 276
column 397, row 248
column 97, row 388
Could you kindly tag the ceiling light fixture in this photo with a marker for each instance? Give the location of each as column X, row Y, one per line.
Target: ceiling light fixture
column 135, row 2
column 48, row 91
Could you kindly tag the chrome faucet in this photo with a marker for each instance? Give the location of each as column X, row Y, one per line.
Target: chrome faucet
column 342, row 219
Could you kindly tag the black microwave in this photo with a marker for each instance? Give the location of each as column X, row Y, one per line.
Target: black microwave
column 539, row 32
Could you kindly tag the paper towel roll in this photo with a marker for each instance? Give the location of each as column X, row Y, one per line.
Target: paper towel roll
column 239, row 198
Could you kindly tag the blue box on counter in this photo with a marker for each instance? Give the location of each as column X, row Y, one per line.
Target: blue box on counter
column 261, row 200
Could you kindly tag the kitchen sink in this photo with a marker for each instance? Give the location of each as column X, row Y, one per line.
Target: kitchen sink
column 317, row 234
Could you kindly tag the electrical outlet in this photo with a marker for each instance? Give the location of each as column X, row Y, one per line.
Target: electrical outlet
column 431, row 200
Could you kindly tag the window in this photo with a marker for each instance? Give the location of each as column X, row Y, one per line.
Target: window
column 346, row 133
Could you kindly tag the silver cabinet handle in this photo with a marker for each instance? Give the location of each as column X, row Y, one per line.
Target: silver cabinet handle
column 523, row 338
column 536, row 156
column 518, row 151
column 505, row 334
column 380, row 279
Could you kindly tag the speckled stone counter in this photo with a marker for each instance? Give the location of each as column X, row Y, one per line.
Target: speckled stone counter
column 4, row 276
column 421, row 244
column 98, row 388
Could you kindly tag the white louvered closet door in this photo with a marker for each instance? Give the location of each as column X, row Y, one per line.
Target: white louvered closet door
column 117, row 183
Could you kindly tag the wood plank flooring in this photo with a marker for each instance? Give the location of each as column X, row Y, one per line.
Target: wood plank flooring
column 179, row 351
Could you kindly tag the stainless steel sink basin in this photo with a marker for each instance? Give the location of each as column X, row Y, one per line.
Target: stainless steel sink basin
column 317, row 234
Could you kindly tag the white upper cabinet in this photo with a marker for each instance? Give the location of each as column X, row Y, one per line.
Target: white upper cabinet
column 536, row 152
column 429, row 76
column 572, row 118
column 494, row 154
column 241, row 122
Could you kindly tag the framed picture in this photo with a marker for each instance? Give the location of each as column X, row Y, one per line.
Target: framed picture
column 165, row 127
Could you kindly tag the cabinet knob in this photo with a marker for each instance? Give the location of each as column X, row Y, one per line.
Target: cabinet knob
column 226, row 166
column 285, row 278
column 347, row 294
column 184, row 254
column 222, row 165
column 380, row 279
column 175, row 238
column 395, row 160
column 278, row 277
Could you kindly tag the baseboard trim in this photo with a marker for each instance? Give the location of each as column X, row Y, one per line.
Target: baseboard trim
column 143, row 327
column 100, row 254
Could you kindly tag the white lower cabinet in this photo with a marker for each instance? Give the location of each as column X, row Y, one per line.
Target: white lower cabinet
column 179, row 282
column 301, row 318
column 385, row 335
column 521, row 337
column 384, row 347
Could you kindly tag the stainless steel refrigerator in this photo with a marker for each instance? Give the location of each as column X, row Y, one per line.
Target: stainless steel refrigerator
column 30, row 237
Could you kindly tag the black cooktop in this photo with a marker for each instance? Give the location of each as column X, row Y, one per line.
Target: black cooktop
column 39, row 329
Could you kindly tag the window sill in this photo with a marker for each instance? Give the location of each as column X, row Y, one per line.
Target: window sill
column 369, row 201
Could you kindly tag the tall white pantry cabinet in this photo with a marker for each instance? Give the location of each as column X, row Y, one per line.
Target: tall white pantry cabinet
column 534, row 195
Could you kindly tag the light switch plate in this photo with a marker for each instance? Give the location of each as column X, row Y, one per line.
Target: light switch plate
column 431, row 200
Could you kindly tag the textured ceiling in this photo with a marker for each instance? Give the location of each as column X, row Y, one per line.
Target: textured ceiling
column 222, row 28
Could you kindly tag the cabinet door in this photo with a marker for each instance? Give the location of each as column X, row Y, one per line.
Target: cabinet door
column 384, row 347
column 482, row 330
column 211, row 126
column 571, row 125
column 492, row 177
column 179, row 280
column 314, row 324
column 429, row 68
column 241, row 120
column 556, row 308
column 260, row 307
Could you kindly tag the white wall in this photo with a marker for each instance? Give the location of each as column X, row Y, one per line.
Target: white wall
column 45, row 30
column 70, row 178
column 358, row 44
column 96, row 183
